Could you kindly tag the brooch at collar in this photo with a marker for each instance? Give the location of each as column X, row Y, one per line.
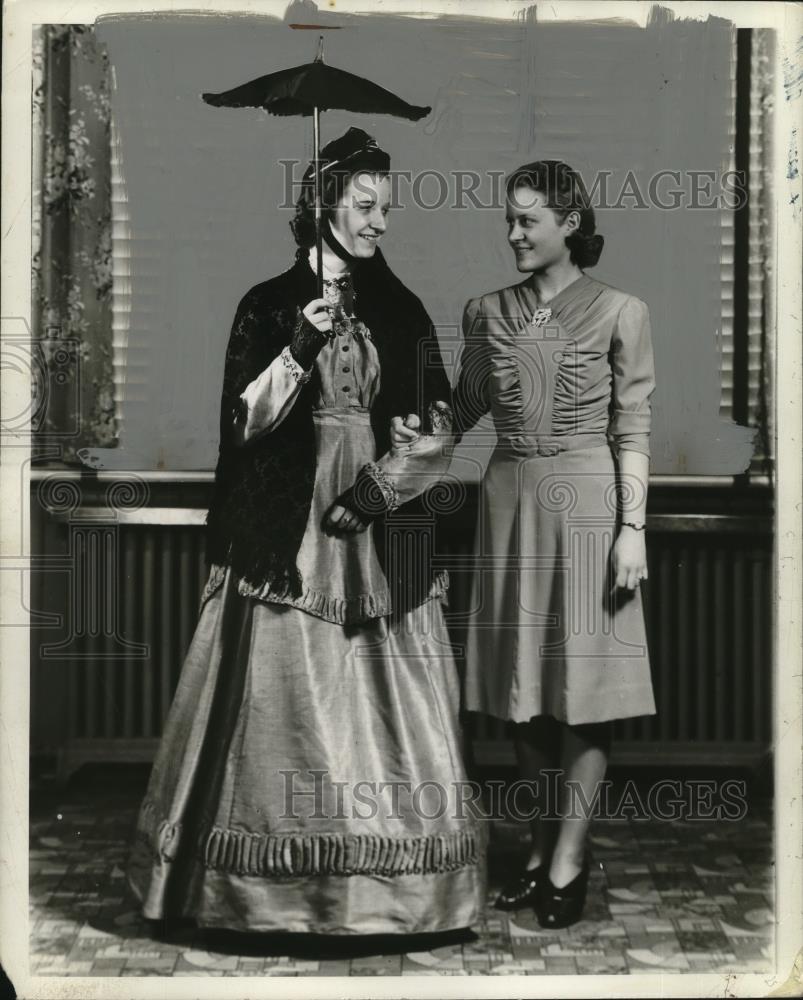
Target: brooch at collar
column 541, row 316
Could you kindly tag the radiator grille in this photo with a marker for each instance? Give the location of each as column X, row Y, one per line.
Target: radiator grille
column 708, row 605
column 160, row 573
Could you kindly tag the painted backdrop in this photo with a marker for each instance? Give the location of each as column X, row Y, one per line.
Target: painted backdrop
column 204, row 186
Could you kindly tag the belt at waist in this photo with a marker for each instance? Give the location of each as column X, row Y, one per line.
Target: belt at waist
column 342, row 416
column 544, row 445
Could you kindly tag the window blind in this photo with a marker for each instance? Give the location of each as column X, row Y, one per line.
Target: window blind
column 746, row 367
column 121, row 275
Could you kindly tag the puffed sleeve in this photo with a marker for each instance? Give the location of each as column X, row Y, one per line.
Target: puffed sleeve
column 633, row 379
column 471, row 400
column 267, row 400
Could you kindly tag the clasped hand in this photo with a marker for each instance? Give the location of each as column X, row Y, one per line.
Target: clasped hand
column 403, row 432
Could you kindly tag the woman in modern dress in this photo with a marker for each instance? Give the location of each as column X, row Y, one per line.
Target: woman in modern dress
column 556, row 641
column 308, row 769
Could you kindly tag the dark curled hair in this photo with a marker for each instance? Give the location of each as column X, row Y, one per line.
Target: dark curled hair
column 334, row 182
column 565, row 192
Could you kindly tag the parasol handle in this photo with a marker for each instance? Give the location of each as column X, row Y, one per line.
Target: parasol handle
column 316, row 134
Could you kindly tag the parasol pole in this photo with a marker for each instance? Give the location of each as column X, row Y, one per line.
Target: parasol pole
column 318, row 235
column 316, row 141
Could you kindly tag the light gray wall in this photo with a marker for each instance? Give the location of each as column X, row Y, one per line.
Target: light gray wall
column 203, row 187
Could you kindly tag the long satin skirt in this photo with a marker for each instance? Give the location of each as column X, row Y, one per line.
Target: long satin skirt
column 310, row 778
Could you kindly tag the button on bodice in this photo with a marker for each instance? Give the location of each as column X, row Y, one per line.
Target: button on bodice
column 348, row 365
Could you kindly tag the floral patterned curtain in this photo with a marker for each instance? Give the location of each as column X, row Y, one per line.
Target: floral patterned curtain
column 72, row 273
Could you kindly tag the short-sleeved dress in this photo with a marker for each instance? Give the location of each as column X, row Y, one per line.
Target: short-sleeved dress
column 568, row 388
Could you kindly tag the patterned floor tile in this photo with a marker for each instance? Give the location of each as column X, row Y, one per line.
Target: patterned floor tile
column 609, row 965
column 560, row 966
column 663, row 898
column 331, row 969
column 528, row 968
column 106, row 967
column 380, row 965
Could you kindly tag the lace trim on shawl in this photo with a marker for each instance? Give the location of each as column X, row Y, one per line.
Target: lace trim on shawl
column 338, row 610
column 291, row 854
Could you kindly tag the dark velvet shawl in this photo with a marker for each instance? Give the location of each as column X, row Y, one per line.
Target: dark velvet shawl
column 263, row 490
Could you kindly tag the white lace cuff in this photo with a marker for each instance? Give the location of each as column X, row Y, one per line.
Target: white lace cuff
column 389, row 492
column 294, row 367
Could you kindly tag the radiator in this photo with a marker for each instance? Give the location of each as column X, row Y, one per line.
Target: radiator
column 128, row 604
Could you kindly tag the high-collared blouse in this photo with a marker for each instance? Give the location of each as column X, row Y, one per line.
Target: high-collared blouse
column 347, row 370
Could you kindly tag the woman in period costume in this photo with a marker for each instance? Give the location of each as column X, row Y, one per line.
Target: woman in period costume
column 309, row 769
column 557, row 642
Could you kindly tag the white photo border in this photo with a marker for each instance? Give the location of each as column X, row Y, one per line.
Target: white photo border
column 787, row 20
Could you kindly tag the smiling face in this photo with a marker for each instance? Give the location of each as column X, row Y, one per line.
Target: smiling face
column 536, row 232
column 360, row 217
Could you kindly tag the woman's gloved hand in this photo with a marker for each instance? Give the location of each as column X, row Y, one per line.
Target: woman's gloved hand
column 312, row 330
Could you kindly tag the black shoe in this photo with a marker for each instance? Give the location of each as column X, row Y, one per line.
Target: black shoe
column 556, row 908
column 522, row 890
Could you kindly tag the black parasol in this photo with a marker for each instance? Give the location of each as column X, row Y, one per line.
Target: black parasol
column 308, row 90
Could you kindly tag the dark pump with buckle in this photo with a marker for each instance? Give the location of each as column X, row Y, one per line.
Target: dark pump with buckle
column 556, row 908
column 522, row 890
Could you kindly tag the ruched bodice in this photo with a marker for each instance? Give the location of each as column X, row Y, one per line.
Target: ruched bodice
column 582, row 366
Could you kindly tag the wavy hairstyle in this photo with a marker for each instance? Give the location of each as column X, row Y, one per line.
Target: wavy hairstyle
column 565, row 192
column 353, row 153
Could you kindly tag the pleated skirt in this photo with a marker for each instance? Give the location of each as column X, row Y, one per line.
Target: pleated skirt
column 548, row 634
column 310, row 778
